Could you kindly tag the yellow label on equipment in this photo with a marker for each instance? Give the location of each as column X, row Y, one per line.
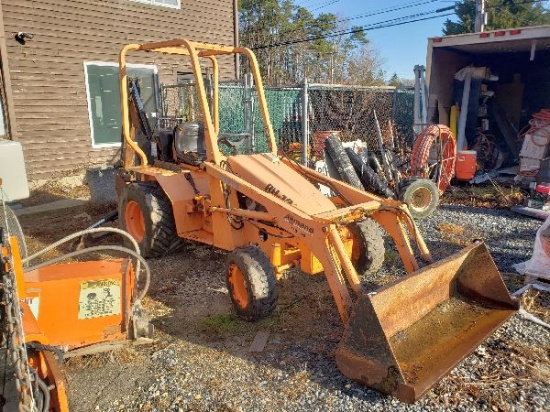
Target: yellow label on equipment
column 99, row 298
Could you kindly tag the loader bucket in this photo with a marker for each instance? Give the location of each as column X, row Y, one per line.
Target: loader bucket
column 403, row 338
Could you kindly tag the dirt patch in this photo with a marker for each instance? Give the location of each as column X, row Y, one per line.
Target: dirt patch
column 53, row 191
column 489, row 195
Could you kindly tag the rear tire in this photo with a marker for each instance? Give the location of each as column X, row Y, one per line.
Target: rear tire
column 420, row 195
column 145, row 212
column 251, row 283
column 368, row 247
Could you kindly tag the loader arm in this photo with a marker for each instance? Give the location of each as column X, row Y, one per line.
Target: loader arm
column 312, row 232
column 319, row 233
column 392, row 215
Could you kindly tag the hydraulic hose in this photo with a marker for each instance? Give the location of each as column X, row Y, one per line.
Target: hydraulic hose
column 442, row 171
column 79, row 234
column 46, row 392
column 136, row 253
column 99, row 249
column 539, row 122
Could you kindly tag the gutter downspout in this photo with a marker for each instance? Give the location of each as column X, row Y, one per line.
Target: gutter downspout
column 6, row 92
column 236, row 38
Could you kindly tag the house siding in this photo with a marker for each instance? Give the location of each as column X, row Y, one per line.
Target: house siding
column 47, row 73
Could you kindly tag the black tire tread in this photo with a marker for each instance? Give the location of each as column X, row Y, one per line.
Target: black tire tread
column 372, row 257
column 336, row 151
column 163, row 227
column 260, row 276
column 369, row 179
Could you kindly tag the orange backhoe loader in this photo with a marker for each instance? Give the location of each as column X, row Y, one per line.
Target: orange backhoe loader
column 53, row 310
column 197, row 182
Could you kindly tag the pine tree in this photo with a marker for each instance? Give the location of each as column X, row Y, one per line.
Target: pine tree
column 501, row 14
column 394, row 81
column 322, row 59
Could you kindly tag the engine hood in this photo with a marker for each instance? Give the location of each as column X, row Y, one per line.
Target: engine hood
column 268, row 173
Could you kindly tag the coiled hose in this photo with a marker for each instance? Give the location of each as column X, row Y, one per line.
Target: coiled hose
column 434, row 155
column 135, row 254
column 538, row 124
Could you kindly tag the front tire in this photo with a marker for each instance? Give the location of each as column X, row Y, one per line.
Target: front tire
column 251, row 283
column 145, row 212
column 367, row 255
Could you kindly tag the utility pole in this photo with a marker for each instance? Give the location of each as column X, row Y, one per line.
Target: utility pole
column 331, row 67
column 305, row 123
column 481, row 16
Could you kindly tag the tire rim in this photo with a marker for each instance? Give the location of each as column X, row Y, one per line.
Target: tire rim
column 237, row 284
column 133, row 218
column 421, row 199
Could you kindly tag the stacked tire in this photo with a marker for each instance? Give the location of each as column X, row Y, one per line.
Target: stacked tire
column 420, row 194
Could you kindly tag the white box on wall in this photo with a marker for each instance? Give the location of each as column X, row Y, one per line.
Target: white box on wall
column 12, row 171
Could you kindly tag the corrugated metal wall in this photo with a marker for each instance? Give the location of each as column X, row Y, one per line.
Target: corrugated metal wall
column 47, row 73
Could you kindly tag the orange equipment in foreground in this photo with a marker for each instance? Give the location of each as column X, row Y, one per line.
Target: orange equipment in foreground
column 56, row 308
column 268, row 212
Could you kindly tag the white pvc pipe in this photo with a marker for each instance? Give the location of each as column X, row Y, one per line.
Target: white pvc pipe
column 461, row 139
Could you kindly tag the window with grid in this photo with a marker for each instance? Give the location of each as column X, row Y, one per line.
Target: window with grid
column 102, row 87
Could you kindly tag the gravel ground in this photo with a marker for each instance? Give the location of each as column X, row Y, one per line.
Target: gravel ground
column 200, row 359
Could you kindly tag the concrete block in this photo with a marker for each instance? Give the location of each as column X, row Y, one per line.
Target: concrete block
column 101, row 182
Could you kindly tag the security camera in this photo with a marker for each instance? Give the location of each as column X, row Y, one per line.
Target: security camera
column 23, row 36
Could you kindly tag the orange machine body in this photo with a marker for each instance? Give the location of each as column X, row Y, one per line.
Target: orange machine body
column 82, row 303
column 42, row 361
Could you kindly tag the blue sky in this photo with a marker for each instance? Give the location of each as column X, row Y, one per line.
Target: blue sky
column 402, row 46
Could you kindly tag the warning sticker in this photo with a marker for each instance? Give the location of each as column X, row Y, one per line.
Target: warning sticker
column 32, row 299
column 99, row 298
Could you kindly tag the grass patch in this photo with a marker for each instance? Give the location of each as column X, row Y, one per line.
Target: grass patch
column 223, row 322
column 392, row 256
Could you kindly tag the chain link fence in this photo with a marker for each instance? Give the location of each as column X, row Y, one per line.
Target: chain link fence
column 351, row 112
column 348, row 110
column 282, row 105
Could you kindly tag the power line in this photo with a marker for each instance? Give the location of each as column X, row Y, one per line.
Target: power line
column 386, row 10
column 388, row 23
column 358, row 16
column 323, row 5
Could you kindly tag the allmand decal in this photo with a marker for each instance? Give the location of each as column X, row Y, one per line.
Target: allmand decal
column 299, row 225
